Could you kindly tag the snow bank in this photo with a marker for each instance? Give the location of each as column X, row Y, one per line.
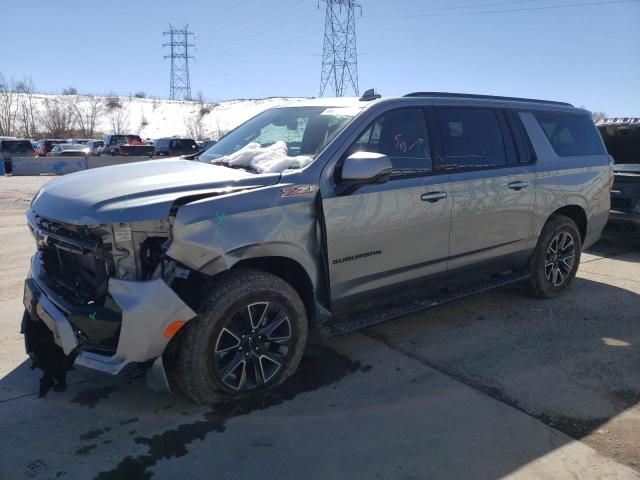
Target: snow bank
column 156, row 118
column 271, row 159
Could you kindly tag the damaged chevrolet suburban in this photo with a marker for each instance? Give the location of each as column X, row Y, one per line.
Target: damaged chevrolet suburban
column 325, row 215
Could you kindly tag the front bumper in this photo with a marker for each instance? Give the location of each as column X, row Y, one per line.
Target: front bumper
column 148, row 308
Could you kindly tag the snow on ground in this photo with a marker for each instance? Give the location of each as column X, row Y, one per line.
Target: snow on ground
column 155, row 118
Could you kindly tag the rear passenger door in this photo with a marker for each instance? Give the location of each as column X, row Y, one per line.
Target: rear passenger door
column 492, row 187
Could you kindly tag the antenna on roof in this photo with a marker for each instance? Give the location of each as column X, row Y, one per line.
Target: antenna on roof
column 370, row 95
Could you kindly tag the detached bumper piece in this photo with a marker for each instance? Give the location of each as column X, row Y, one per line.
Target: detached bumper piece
column 147, row 309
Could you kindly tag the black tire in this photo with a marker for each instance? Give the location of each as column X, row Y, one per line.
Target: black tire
column 551, row 276
column 198, row 368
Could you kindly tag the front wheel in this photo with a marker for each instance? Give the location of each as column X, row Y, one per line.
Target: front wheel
column 248, row 338
column 555, row 261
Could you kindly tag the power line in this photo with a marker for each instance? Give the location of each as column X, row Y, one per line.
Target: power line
column 470, row 5
column 180, row 83
column 512, row 10
column 339, row 53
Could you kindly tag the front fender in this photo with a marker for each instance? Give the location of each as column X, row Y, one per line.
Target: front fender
column 213, row 234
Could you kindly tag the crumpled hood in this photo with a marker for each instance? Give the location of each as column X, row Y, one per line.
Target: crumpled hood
column 137, row 191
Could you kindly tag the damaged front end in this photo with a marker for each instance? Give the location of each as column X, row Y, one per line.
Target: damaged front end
column 105, row 292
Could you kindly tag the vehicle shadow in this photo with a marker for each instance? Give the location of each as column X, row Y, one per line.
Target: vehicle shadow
column 612, row 246
column 399, row 400
column 570, row 362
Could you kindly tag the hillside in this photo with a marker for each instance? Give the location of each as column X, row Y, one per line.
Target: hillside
column 148, row 117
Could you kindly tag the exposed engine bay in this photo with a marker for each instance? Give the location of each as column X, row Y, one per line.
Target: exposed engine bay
column 79, row 260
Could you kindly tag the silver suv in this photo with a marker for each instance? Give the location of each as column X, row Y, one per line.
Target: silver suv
column 330, row 215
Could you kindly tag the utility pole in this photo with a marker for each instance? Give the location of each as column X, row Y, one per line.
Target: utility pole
column 339, row 54
column 180, row 84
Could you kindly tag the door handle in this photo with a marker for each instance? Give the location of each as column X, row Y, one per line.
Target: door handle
column 433, row 196
column 519, row 185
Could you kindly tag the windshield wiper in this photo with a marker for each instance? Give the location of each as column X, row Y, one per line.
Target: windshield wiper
column 237, row 167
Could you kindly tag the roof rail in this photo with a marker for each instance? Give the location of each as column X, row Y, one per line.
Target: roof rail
column 483, row 97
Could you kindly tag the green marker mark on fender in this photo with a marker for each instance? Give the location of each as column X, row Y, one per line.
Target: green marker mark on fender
column 219, row 218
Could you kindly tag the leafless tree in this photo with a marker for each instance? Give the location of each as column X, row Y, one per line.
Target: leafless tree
column 70, row 91
column 597, row 116
column 219, row 132
column 86, row 111
column 195, row 126
column 9, row 107
column 28, row 114
column 113, row 102
column 119, row 120
column 56, row 118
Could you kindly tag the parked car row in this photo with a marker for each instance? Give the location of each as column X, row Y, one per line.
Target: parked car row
column 111, row 145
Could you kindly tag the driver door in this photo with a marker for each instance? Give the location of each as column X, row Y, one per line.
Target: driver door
column 386, row 235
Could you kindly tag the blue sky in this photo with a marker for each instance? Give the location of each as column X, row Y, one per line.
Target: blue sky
column 587, row 54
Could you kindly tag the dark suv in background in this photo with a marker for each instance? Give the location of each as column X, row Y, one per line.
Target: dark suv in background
column 622, row 138
column 174, row 147
column 16, row 148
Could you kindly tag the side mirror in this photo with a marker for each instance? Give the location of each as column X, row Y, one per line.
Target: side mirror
column 366, row 167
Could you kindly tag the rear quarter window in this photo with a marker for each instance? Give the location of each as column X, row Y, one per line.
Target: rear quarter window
column 570, row 134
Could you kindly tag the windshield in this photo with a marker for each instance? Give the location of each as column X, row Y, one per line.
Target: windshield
column 280, row 138
column 72, row 146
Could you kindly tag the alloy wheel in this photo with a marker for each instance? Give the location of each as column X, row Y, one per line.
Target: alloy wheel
column 560, row 258
column 253, row 346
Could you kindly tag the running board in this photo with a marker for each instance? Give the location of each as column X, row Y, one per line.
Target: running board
column 342, row 325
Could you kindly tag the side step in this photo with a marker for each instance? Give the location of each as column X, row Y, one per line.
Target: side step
column 342, row 325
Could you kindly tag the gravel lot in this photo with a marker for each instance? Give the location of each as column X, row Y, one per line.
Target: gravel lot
column 498, row 385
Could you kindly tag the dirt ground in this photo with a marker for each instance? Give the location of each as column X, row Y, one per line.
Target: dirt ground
column 498, row 385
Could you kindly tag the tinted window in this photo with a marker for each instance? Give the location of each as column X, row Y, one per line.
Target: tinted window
column 622, row 142
column 187, row 144
column 570, row 134
column 402, row 135
column 471, row 138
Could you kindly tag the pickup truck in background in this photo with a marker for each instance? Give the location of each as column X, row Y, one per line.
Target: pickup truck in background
column 622, row 138
column 129, row 145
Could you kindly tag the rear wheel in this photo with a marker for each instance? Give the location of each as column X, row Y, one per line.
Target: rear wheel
column 248, row 338
column 555, row 261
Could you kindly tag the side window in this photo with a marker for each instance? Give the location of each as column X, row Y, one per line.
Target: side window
column 471, row 138
column 402, row 135
column 570, row 134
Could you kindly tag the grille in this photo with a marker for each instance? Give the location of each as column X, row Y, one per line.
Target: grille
column 74, row 261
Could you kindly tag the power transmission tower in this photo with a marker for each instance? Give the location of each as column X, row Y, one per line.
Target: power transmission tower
column 180, row 84
column 339, row 54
